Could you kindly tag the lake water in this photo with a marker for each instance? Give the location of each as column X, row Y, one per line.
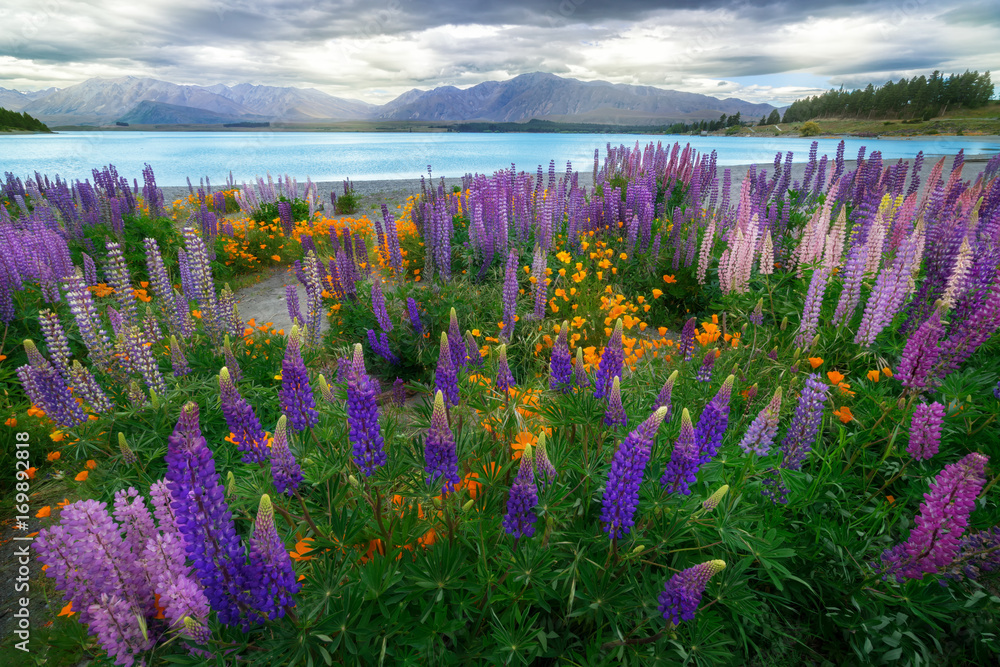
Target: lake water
column 332, row 156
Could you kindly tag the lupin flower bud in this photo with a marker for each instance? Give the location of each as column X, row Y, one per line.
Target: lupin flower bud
column 713, row 500
column 234, row 367
column 682, row 469
column 621, row 493
column 296, row 396
column 475, row 358
column 760, row 436
column 614, row 415
column 440, row 456
column 284, row 468
column 784, row 323
column 579, row 371
column 177, row 358
column 456, row 344
column 682, row 593
column 446, row 374
column 230, row 484
column 546, row 471
column 154, row 400
column 324, row 389
column 127, row 454
column 520, row 518
column 663, row 399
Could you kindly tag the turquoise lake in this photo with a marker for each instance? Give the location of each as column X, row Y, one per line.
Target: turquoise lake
column 331, row 156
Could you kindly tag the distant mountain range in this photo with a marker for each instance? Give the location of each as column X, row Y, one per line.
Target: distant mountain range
column 137, row 100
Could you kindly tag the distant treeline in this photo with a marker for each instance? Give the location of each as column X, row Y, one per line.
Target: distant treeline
column 248, row 123
column 12, row 120
column 543, row 126
column 920, row 97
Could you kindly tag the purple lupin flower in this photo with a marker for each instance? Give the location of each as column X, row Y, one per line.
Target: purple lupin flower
column 296, row 395
column 242, row 421
column 682, row 593
column 614, row 414
column 505, row 380
column 686, row 346
column 46, row 389
column 621, row 493
column 704, row 373
column 925, row 431
column 285, row 469
column 446, row 375
column 440, row 456
column 94, row 337
column 520, row 518
column 713, row 421
column 561, row 363
column 414, row 312
column 579, row 371
column 757, row 314
column 119, row 279
column 546, row 471
column 204, row 519
column 610, row 365
column 272, row 580
column 760, row 436
column 56, row 342
column 399, row 392
column 921, row 354
column 942, row 518
column 379, row 343
column 510, row 296
column 475, row 357
column 801, row 433
column 663, row 399
column 234, row 367
column 456, row 343
column 177, row 358
column 540, row 283
column 813, row 303
column 682, row 469
column 362, row 417
column 378, row 304
column 292, row 302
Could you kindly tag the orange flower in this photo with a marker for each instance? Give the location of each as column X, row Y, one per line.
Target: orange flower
column 887, row 372
column 302, row 547
column 835, row 377
column 873, row 375
column 11, row 421
column 53, row 456
column 82, row 476
column 845, row 389
column 34, row 411
column 91, row 464
column 67, row 610
column 669, row 279
column 844, row 414
column 156, row 603
column 44, row 512
column 31, row 472
column 56, row 436
column 523, row 438
column 815, row 362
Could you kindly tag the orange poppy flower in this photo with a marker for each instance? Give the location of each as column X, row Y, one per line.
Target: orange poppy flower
column 67, row 610
column 11, row 421
column 887, row 372
column 522, row 439
column 815, row 362
column 669, row 279
column 53, row 456
column 44, row 512
column 844, row 414
column 91, row 464
column 82, row 476
column 873, row 375
column 835, row 377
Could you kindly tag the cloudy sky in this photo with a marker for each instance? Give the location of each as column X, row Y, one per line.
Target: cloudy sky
column 758, row 50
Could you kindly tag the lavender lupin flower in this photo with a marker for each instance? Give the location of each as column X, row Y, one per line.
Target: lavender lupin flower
column 143, row 360
column 440, row 456
column 757, row 315
column 942, row 518
column 48, row 390
column 682, row 469
column 234, row 367
column 682, row 593
column 378, row 305
column 925, row 431
column 362, row 417
column 520, row 518
column 713, row 421
column 204, row 519
column 475, row 357
column 177, row 358
column 292, row 302
column 272, row 581
column 414, row 312
column 546, row 471
column 446, row 375
column 505, row 380
column 455, row 341
column 704, row 373
column 760, row 436
column 621, row 493
column 921, row 354
column 813, row 303
column 242, row 421
column 614, row 414
column 805, row 423
column 610, row 365
column 510, row 296
column 56, row 342
column 285, row 469
column 296, row 395
column 686, row 346
column 561, row 363
column 663, row 399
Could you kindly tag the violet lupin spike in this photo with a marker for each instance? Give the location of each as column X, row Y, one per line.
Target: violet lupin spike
column 621, row 492
column 177, row 358
column 272, row 582
column 682, row 469
column 686, row 346
column 519, row 521
column 475, row 357
column 242, row 421
column 760, row 436
column 682, row 593
column 446, row 375
column 805, row 423
column 510, row 296
column 561, row 363
column 296, row 395
column 234, row 367
column 704, row 373
column 580, row 371
column 143, row 360
column 921, row 354
column 440, row 456
column 378, row 305
column 456, row 343
column 505, row 380
column 614, row 414
column 610, row 365
column 663, row 399
column 925, row 431
column 362, row 416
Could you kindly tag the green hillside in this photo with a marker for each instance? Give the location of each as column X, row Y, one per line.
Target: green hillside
column 11, row 121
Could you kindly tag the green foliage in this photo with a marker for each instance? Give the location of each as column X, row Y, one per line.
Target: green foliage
column 11, row 120
column 810, row 129
column 348, row 202
column 268, row 211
